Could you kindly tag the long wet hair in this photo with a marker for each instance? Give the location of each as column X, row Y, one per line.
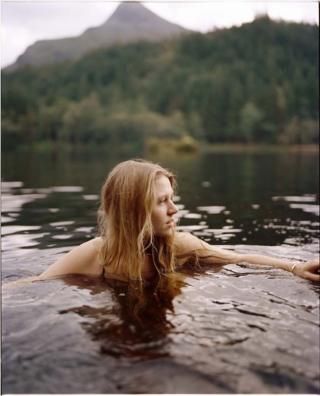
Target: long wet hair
column 124, row 220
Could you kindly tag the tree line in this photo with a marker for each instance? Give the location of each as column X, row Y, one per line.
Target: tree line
column 257, row 83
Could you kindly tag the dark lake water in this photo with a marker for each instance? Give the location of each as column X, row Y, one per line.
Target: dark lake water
column 240, row 329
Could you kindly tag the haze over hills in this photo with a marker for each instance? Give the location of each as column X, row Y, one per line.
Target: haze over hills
column 130, row 22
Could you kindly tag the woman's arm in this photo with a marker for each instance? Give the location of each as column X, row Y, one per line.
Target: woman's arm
column 187, row 244
column 307, row 270
column 83, row 259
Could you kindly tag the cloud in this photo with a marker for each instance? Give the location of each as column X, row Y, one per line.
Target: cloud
column 14, row 42
column 205, row 16
column 208, row 15
column 55, row 19
column 24, row 22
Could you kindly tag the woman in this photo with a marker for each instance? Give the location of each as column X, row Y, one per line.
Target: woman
column 138, row 240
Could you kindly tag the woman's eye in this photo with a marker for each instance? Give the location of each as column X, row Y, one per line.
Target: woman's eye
column 165, row 199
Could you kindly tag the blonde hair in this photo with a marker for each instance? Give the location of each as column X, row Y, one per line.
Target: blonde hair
column 124, row 219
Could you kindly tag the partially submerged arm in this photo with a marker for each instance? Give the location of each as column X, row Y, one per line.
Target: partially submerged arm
column 187, row 244
column 83, row 259
column 23, row 281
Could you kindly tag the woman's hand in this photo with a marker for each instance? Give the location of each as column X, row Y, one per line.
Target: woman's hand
column 20, row 282
column 309, row 270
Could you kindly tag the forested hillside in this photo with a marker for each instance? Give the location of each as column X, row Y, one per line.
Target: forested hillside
column 254, row 83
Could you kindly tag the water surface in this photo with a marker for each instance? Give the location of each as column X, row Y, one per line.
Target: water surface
column 240, row 329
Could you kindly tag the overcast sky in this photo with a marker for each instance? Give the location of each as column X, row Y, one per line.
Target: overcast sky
column 23, row 21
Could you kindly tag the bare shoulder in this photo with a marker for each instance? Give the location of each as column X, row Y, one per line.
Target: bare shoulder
column 82, row 259
column 96, row 244
column 87, row 250
column 186, row 243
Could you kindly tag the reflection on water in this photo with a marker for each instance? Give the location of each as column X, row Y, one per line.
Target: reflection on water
column 136, row 324
column 237, row 330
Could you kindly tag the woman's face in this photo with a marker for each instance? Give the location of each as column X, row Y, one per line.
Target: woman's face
column 163, row 208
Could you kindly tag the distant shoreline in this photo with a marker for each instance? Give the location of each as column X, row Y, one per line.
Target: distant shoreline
column 170, row 145
column 240, row 147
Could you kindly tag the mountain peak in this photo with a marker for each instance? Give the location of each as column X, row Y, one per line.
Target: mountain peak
column 131, row 11
column 130, row 22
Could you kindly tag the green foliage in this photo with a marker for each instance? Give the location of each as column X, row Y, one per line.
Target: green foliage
column 255, row 83
column 300, row 132
column 250, row 121
column 185, row 144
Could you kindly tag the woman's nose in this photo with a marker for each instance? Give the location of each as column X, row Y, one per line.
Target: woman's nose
column 172, row 208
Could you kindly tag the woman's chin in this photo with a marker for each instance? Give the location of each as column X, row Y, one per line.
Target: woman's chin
column 169, row 232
